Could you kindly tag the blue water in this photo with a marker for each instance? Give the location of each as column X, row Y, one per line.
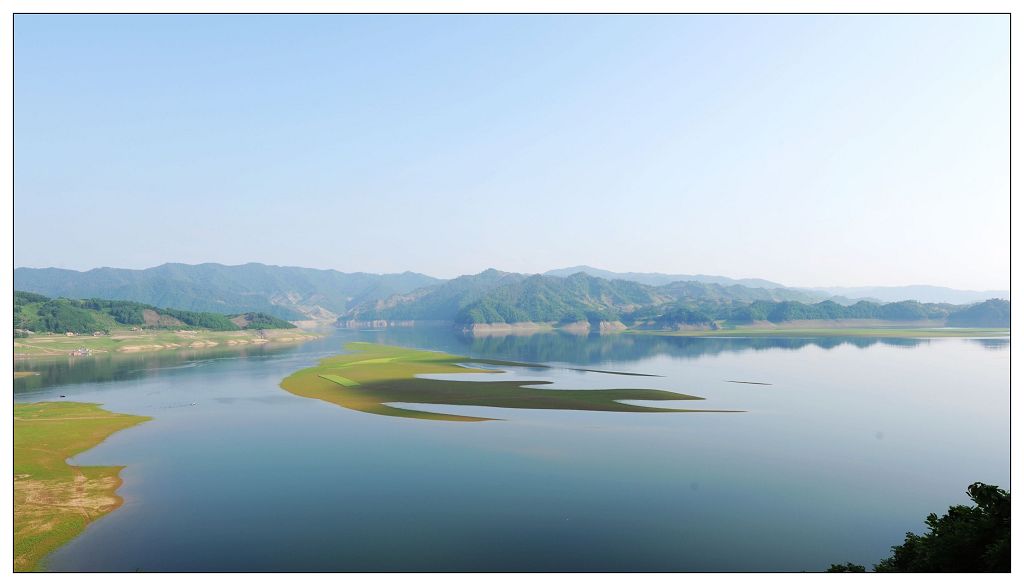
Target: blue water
column 852, row 444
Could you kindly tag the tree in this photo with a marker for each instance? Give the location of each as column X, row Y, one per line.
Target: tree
column 965, row 539
column 848, row 567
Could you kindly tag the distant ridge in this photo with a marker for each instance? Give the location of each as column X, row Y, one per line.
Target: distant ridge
column 585, row 294
column 922, row 293
column 656, row 279
column 286, row 292
column 582, row 302
column 846, row 295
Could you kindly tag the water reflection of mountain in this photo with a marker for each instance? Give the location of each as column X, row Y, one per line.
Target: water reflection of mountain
column 594, row 349
column 993, row 343
column 541, row 347
column 64, row 370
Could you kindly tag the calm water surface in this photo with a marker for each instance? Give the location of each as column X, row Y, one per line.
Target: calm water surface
column 852, row 445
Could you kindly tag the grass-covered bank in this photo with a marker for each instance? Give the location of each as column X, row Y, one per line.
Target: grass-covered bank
column 374, row 375
column 53, row 500
column 147, row 341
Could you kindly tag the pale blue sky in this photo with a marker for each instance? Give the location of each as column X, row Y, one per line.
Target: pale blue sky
column 811, row 150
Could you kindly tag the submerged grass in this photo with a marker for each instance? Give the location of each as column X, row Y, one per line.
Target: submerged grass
column 374, row 375
column 53, row 500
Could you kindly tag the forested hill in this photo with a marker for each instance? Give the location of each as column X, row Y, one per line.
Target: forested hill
column 499, row 297
column 38, row 313
column 490, row 297
column 495, row 297
column 992, row 313
column 285, row 292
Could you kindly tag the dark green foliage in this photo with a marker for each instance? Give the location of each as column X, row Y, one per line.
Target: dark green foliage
column 208, row 321
column 124, row 312
column 63, row 315
column 994, row 313
column 785, row 311
column 846, row 568
column 965, row 539
column 24, row 297
column 497, row 297
column 41, row 314
column 256, row 320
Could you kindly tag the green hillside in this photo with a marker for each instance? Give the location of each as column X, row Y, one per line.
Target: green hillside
column 576, row 298
column 495, row 297
column 437, row 302
column 40, row 314
column 992, row 313
column 284, row 292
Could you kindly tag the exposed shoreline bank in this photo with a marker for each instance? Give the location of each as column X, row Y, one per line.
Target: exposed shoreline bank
column 861, row 332
column 804, row 328
column 136, row 342
column 53, row 500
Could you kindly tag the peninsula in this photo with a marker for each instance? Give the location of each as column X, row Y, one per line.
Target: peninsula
column 373, row 375
column 53, row 500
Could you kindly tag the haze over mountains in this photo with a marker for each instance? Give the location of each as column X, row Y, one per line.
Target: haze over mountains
column 656, row 279
column 288, row 292
column 577, row 294
column 922, row 293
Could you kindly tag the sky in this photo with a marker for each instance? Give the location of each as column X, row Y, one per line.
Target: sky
column 808, row 150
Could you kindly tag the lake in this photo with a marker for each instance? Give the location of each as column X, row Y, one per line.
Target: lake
column 851, row 445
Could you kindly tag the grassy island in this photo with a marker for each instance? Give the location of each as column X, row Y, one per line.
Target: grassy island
column 374, row 375
column 53, row 500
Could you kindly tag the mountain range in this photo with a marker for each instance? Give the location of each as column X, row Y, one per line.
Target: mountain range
column 844, row 295
column 287, row 292
column 495, row 298
column 563, row 296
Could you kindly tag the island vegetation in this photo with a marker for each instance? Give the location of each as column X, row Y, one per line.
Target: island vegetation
column 53, row 500
column 372, row 376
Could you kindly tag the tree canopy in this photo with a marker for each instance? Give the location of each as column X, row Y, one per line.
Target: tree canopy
column 965, row 539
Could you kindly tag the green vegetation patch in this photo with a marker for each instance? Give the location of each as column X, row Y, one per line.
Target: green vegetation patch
column 374, row 375
column 38, row 313
column 345, row 382
column 53, row 500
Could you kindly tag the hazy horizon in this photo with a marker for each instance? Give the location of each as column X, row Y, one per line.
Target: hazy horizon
column 814, row 151
column 537, row 272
